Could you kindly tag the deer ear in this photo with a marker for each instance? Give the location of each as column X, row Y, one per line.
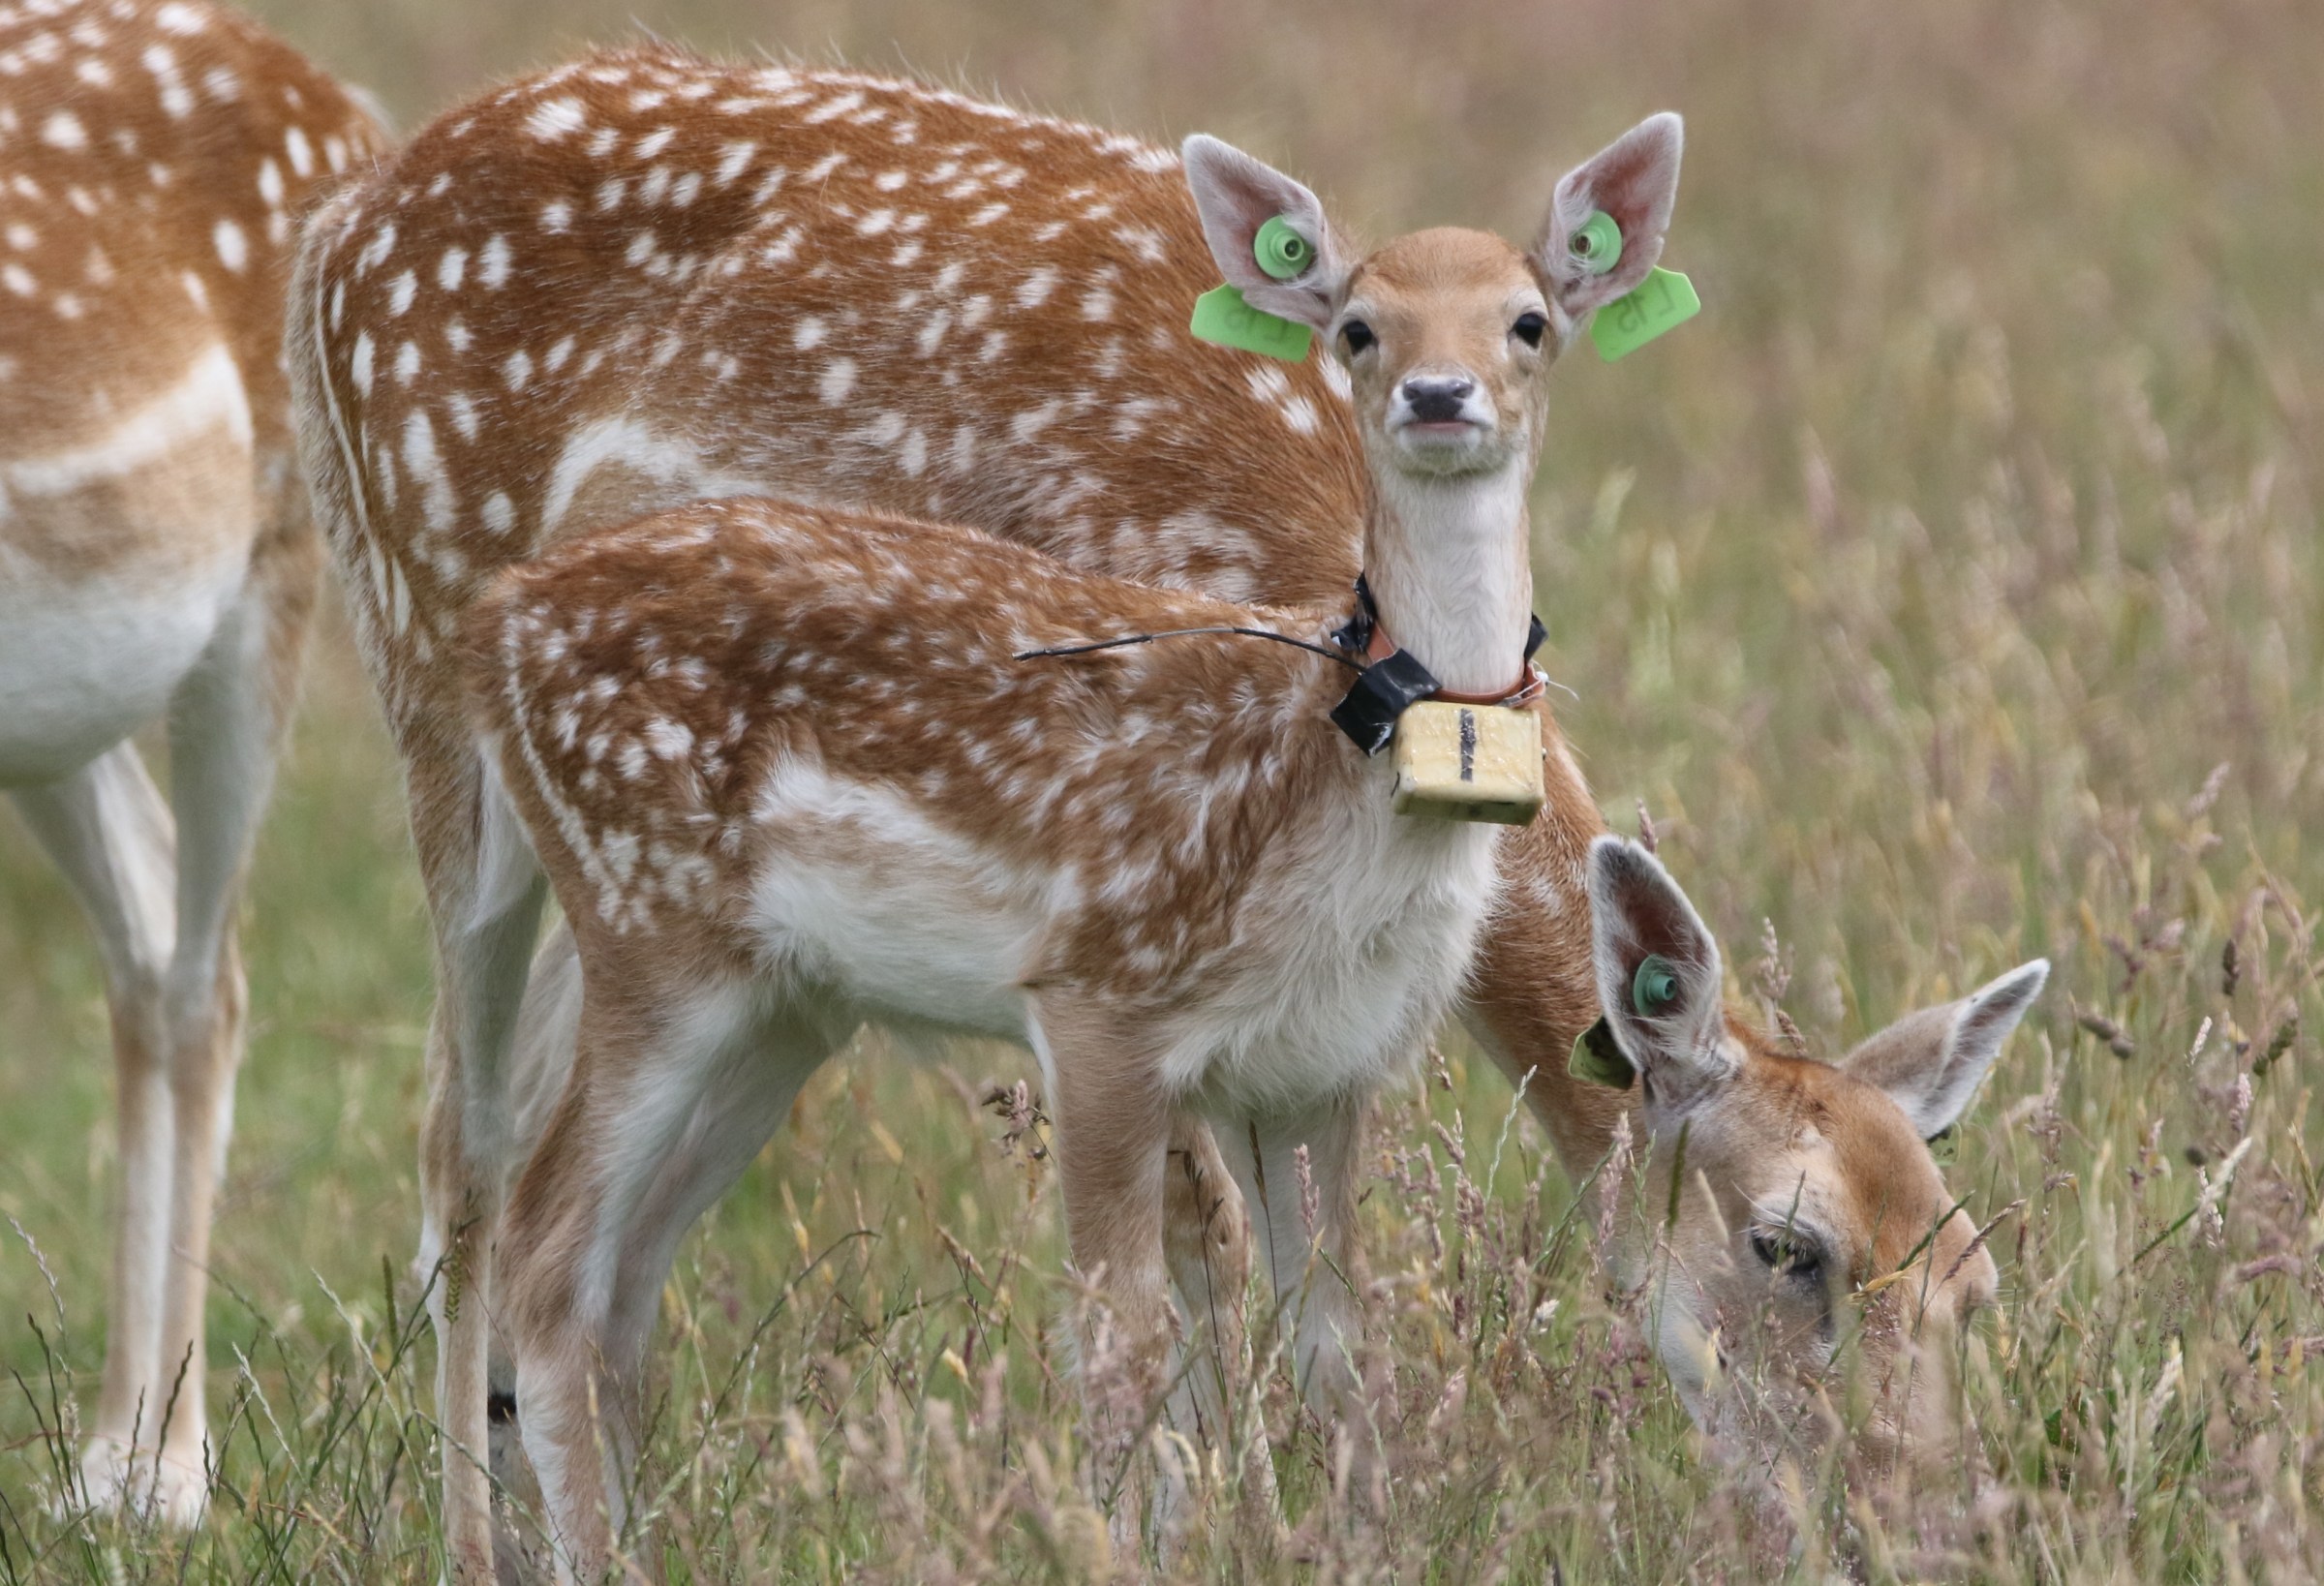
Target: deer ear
column 1236, row 195
column 1659, row 980
column 1634, row 180
column 1931, row 1062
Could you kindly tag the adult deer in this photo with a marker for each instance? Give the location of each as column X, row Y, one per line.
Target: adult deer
column 644, row 279
column 157, row 560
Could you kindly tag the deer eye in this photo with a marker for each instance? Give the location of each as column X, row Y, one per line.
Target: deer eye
column 1529, row 330
column 1788, row 1253
column 1357, row 337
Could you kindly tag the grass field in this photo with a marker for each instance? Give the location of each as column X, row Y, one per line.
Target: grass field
column 1949, row 592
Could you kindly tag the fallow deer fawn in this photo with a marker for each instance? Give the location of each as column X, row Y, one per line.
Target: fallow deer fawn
column 157, row 560
column 785, row 777
column 663, row 279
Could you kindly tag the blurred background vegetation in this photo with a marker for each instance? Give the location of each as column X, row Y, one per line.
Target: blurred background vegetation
column 1949, row 592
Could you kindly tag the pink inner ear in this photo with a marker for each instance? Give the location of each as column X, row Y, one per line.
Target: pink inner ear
column 1621, row 188
column 1658, row 923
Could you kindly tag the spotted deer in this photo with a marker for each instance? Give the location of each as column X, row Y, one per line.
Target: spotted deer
column 644, row 279
column 157, row 562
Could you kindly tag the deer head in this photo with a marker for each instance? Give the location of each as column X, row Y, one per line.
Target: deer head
column 1446, row 334
column 1796, row 1223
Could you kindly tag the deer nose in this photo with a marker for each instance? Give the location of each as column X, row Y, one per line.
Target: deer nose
column 1438, row 400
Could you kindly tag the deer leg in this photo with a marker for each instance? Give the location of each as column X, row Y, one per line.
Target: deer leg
column 1303, row 1218
column 540, row 1061
column 666, row 1105
column 110, row 834
column 226, row 719
column 1113, row 1136
column 485, row 891
column 1207, row 1241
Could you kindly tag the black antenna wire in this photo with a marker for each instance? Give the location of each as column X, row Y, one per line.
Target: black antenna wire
column 1184, row 632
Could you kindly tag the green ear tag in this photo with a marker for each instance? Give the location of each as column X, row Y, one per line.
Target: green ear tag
column 1598, row 1061
column 1653, row 987
column 1945, row 1146
column 1281, row 251
column 1221, row 316
column 1665, row 300
column 1597, row 246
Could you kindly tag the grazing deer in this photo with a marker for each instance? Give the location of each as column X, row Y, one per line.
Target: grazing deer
column 1795, row 1201
column 643, row 279
column 157, row 560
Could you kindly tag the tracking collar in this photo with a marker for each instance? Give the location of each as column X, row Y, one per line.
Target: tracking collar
column 1394, row 679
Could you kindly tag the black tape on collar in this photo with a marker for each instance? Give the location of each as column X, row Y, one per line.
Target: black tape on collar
column 1381, row 692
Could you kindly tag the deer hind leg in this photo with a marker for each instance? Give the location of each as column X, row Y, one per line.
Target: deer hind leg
column 1304, row 1222
column 1214, row 1400
column 225, row 720
column 109, row 831
column 485, row 891
column 650, row 1130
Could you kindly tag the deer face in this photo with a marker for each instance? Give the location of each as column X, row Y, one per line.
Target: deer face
column 1804, row 1255
column 1447, row 335
column 1447, row 340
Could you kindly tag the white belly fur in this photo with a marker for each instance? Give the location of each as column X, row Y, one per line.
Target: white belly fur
column 117, row 557
column 1341, row 966
column 83, row 666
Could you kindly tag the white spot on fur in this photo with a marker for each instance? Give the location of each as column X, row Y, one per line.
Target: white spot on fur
column 553, row 119
column 1034, row 290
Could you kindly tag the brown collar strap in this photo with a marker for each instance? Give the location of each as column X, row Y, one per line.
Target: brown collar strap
column 1528, row 688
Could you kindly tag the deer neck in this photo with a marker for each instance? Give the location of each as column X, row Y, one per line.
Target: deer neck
column 1448, row 564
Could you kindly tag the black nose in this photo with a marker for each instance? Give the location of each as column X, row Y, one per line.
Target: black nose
column 1437, row 401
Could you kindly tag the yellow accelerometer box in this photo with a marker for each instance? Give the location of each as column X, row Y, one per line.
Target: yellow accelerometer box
column 1468, row 762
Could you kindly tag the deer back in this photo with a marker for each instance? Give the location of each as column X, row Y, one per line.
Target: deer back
column 643, row 278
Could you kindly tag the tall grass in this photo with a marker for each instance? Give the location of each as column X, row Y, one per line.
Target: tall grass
column 1949, row 593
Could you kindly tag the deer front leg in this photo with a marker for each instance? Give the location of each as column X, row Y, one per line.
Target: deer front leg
column 1113, row 1136
column 1208, row 1237
column 1298, row 1175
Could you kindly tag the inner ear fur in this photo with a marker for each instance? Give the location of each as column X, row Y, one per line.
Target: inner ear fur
column 1235, row 194
column 1637, row 911
column 1634, row 179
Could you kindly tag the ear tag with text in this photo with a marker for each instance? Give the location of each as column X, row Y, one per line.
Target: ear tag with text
column 1221, row 316
column 1598, row 1061
column 1663, row 302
